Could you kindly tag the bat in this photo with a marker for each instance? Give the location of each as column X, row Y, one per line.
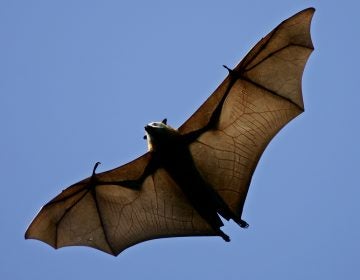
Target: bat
column 192, row 175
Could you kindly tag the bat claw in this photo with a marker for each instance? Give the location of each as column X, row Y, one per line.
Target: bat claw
column 233, row 74
column 230, row 70
column 95, row 166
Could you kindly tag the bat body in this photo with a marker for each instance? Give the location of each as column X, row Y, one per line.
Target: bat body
column 170, row 151
column 193, row 174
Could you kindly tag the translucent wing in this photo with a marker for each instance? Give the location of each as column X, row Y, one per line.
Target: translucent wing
column 230, row 131
column 108, row 215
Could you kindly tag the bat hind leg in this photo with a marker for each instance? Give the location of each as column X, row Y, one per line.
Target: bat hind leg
column 227, row 214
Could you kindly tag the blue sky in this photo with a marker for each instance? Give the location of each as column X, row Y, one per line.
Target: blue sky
column 80, row 79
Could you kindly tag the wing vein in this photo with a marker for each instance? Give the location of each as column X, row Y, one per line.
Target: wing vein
column 271, row 91
column 275, row 52
column 65, row 213
column 94, row 195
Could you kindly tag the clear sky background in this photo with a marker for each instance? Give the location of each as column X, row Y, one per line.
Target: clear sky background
column 80, row 79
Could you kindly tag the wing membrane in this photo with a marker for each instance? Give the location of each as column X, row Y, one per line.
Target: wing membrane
column 261, row 95
column 110, row 217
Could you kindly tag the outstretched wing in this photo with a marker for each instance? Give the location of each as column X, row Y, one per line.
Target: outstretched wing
column 231, row 129
column 113, row 216
column 116, row 209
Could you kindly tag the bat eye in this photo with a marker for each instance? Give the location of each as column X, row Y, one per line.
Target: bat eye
column 155, row 124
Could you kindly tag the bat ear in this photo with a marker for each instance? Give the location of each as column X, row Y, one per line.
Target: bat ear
column 164, row 121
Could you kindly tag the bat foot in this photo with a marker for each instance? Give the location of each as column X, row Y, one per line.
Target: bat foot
column 240, row 222
column 243, row 224
column 224, row 236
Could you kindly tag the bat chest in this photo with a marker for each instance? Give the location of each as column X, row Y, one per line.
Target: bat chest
column 178, row 162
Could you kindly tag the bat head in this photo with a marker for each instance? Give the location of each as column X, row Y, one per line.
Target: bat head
column 159, row 134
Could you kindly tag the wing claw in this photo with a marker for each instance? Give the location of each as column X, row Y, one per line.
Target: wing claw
column 94, row 169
